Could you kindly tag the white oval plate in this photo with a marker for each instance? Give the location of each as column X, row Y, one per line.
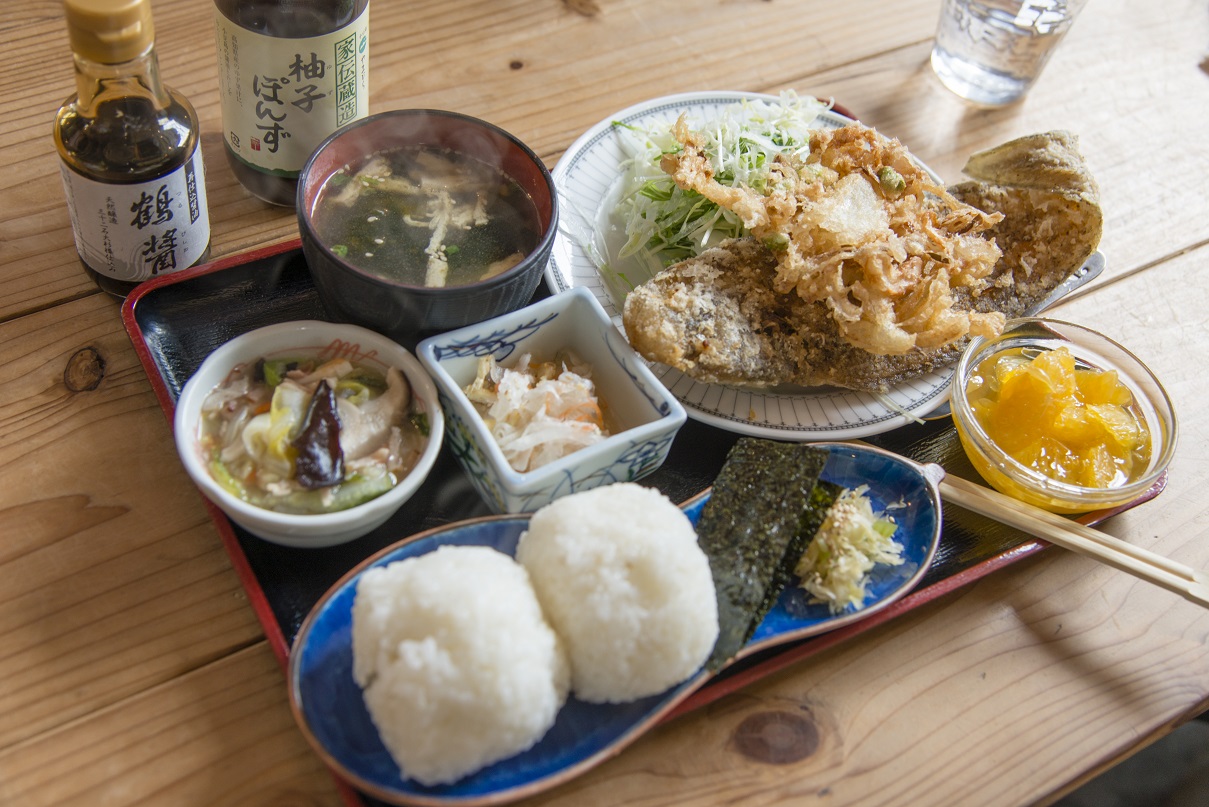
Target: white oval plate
column 588, row 173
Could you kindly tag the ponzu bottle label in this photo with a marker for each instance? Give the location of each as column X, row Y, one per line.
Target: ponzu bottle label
column 281, row 96
column 138, row 231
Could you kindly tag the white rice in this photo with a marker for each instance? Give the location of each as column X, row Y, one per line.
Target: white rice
column 458, row 666
column 623, row 582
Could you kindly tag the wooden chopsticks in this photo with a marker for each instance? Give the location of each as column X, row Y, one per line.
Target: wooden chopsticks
column 1142, row 563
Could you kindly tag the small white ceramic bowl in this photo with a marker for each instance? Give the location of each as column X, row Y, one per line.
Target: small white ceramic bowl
column 574, row 321
column 305, row 338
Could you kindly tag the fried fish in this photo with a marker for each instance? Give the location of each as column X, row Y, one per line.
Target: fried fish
column 719, row 319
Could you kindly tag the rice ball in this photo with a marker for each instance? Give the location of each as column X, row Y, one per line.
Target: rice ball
column 621, row 579
column 458, row 667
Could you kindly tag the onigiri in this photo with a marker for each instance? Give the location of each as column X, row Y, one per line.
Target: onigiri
column 458, row 667
column 621, row 579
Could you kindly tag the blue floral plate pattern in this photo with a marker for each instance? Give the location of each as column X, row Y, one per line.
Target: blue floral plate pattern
column 328, row 706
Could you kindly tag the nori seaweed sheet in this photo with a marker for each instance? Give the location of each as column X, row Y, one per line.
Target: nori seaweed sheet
column 822, row 497
column 754, row 512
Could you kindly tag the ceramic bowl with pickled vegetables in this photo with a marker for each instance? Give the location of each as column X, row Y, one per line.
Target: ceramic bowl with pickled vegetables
column 549, row 400
column 415, row 221
column 1062, row 417
column 309, row 433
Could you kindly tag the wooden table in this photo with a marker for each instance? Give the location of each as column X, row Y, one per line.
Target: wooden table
column 132, row 669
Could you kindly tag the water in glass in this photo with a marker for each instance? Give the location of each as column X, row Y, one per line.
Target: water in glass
column 991, row 51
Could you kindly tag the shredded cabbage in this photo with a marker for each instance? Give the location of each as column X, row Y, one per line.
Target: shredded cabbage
column 852, row 540
column 888, row 402
column 664, row 223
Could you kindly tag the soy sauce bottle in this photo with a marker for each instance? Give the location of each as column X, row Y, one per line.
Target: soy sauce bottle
column 130, row 152
column 290, row 72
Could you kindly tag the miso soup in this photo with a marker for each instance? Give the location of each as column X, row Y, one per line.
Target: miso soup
column 427, row 216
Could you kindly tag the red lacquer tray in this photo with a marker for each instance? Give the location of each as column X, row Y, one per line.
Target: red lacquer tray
column 175, row 321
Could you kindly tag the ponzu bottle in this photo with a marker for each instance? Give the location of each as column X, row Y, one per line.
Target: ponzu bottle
column 290, row 72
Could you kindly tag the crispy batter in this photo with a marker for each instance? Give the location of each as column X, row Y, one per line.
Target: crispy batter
column 719, row 319
column 1051, row 200
column 883, row 251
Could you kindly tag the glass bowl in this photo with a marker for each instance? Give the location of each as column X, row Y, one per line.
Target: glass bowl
column 1034, row 336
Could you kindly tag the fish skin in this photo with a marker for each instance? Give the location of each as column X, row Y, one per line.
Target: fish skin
column 717, row 318
column 1052, row 218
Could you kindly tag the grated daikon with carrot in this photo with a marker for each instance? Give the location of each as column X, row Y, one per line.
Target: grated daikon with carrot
column 538, row 412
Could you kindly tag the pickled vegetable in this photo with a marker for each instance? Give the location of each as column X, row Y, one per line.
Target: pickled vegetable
column 1072, row 423
column 852, row 540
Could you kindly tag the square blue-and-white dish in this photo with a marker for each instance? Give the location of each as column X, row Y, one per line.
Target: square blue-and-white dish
column 574, row 321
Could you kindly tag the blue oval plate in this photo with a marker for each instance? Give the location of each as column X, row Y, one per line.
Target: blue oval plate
column 328, row 706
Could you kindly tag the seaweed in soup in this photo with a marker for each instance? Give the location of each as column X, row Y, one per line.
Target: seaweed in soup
column 427, row 216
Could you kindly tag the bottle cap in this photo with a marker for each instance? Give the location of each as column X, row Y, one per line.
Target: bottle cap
column 109, row 31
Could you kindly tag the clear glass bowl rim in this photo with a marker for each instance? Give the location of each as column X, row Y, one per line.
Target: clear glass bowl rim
column 1087, row 344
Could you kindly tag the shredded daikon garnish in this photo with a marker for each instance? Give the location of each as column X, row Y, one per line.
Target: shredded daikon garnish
column 853, row 539
column 538, row 413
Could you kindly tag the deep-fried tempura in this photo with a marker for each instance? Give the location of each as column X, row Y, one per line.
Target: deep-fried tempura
column 860, row 226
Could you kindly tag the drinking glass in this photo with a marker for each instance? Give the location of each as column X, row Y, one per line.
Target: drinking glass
column 991, row 51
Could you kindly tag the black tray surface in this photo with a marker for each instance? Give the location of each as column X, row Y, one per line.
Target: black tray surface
column 183, row 322
column 176, row 323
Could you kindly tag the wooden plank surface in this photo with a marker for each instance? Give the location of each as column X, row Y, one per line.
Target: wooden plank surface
column 1069, row 653
column 132, row 670
column 113, row 579
column 221, row 735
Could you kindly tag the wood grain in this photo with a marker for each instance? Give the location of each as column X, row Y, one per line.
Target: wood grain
column 113, row 579
column 132, row 670
column 220, row 735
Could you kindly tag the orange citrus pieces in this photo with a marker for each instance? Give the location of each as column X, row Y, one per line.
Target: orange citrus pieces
column 1072, row 424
